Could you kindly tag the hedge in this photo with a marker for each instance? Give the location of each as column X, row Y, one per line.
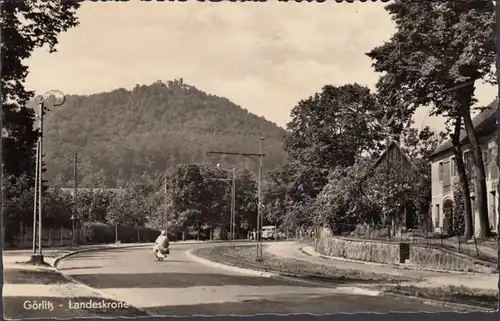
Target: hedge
column 104, row 233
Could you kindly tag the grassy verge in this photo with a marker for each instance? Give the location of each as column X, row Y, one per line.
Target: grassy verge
column 476, row 297
column 244, row 256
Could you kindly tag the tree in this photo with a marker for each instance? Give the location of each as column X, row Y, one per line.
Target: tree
column 246, row 200
column 18, row 204
column 459, row 224
column 342, row 203
column 439, row 51
column 188, row 196
column 25, row 26
column 368, row 193
column 57, row 208
column 333, row 127
column 463, row 181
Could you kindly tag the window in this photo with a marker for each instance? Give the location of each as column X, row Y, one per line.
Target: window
column 453, row 167
column 467, row 161
column 494, row 210
column 493, row 164
column 440, row 173
column 445, row 176
column 436, row 222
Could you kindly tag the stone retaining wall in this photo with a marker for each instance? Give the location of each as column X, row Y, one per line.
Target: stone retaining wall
column 440, row 259
column 389, row 253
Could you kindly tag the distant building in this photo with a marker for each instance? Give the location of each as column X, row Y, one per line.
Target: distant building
column 80, row 190
column 395, row 156
column 444, row 173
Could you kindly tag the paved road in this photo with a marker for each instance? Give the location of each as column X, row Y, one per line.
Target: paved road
column 178, row 286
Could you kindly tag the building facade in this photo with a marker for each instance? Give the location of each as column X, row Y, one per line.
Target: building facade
column 445, row 176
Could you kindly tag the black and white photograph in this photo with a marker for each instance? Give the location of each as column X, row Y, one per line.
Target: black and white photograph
column 249, row 158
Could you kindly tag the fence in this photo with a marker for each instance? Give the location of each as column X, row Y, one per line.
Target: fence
column 95, row 233
column 100, row 233
column 486, row 250
column 51, row 237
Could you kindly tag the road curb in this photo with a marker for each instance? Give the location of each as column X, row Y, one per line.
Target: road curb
column 283, row 276
column 104, row 295
column 396, row 266
column 439, row 302
column 101, row 248
column 94, row 290
column 403, row 296
column 198, row 259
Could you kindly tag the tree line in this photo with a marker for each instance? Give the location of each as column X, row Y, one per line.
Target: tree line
column 192, row 199
column 438, row 53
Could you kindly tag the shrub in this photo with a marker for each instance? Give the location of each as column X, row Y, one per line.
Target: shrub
column 98, row 233
column 458, row 210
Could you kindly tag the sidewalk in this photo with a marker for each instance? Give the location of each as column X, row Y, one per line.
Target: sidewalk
column 429, row 279
column 31, row 291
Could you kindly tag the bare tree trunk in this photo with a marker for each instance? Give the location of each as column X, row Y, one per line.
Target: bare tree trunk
column 457, row 151
column 479, row 176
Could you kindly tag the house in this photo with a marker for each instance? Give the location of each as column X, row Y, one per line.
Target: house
column 95, row 190
column 444, row 173
column 395, row 156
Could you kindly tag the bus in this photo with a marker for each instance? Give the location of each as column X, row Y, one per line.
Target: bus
column 268, row 232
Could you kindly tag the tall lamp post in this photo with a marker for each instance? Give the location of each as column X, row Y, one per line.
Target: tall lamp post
column 37, row 256
column 232, row 185
column 260, row 218
column 164, row 218
column 73, row 218
column 75, row 195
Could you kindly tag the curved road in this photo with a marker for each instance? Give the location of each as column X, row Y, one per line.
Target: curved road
column 178, row 286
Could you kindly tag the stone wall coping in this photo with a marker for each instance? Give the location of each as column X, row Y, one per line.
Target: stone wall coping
column 460, row 255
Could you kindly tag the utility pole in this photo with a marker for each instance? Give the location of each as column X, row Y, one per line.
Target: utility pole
column 259, row 209
column 164, row 218
column 232, row 216
column 40, row 183
column 75, row 176
column 233, row 205
column 75, row 190
column 35, row 194
column 37, row 258
column 259, row 203
column 162, row 221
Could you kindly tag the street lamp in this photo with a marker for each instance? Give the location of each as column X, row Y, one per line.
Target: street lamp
column 260, row 217
column 37, row 257
column 232, row 187
column 73, row 218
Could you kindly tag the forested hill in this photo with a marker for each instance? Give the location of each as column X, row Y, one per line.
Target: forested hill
column 122, row 134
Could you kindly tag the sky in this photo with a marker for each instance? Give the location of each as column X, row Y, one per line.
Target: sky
column 265, row 57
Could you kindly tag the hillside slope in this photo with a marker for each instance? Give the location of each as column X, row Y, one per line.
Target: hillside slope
column 121, row 134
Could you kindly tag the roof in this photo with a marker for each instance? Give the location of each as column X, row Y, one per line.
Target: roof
column 84, row 189
column 483, row 122
column 394, row 146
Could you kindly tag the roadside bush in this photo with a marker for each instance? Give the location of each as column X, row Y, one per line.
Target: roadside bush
column 104, row 233
column 458, row 211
